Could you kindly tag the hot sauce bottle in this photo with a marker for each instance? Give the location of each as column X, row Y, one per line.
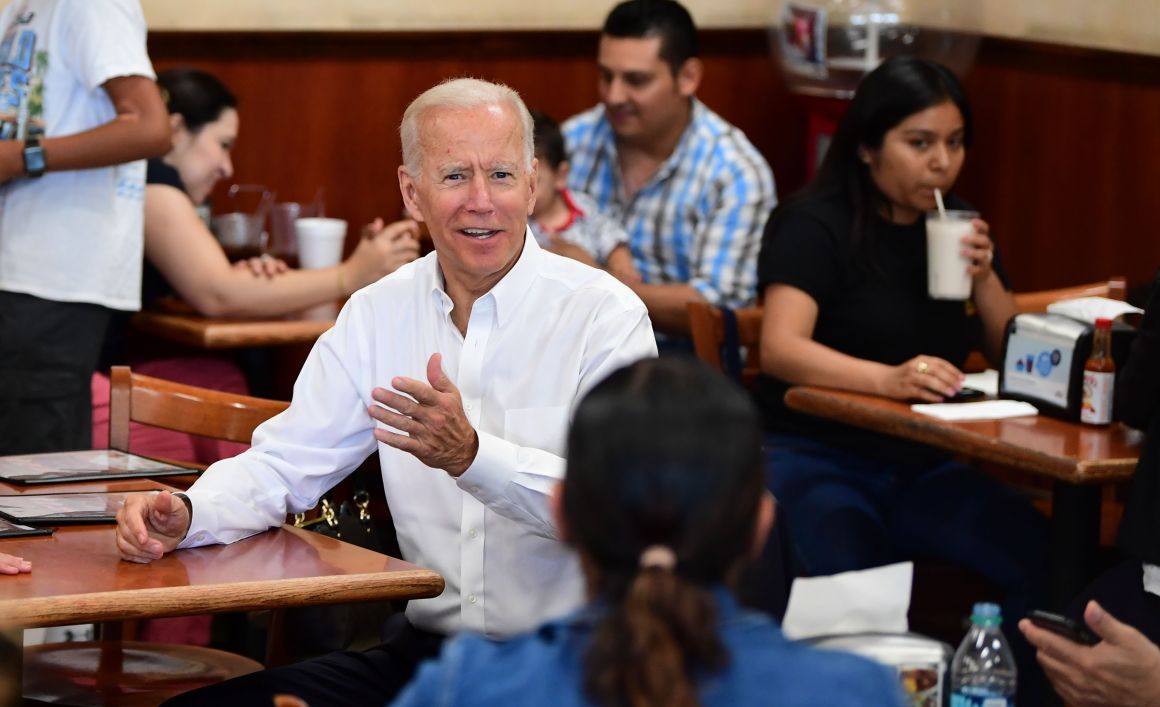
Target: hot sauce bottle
column 1099, row 376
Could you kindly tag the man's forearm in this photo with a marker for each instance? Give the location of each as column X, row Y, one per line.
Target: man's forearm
column 668, row 305
column 139, row 130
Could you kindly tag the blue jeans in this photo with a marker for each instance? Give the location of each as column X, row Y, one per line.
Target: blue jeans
column 847, row 512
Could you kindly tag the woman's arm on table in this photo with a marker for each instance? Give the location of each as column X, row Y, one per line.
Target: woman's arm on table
column 182, row 248
column 789, row 352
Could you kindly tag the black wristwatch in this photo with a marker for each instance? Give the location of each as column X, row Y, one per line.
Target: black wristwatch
column 33, row 158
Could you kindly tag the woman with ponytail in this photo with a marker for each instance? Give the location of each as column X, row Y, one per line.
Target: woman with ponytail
column 664, row 502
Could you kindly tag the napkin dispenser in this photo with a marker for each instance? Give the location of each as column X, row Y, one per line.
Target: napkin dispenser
column 1043, row 360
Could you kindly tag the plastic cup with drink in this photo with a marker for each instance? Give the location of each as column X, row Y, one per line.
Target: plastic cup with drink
column 946, row 268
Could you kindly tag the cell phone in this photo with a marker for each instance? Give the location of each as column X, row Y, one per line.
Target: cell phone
column 965, row 395
column 1070, row 629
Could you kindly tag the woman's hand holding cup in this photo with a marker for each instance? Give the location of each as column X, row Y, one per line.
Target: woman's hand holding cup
column 979, row 250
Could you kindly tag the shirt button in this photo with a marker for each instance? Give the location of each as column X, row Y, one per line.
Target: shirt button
column 474, row 489
column 467, row 407
column 471, row 598
column 472, row 533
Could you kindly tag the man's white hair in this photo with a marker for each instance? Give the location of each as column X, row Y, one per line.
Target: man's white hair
column 460, row 93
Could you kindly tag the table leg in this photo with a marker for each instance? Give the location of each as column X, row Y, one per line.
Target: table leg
column 1075, row 541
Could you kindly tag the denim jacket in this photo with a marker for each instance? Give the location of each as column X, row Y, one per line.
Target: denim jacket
column 545, row 667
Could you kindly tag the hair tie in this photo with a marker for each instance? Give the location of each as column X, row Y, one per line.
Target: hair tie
column 659, row 556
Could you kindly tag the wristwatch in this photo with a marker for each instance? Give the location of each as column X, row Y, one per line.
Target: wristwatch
column 33, row 158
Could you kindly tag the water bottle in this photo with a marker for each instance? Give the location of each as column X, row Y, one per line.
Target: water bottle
column 983, row 669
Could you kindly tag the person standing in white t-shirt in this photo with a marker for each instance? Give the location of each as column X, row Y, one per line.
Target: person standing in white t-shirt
column 79, row 112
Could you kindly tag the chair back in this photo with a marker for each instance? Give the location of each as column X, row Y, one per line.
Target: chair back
column 728, row 339
column 1113, row 288
column 185, row 408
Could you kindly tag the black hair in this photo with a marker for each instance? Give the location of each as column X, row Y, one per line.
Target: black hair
column 199, row 97
column 664, row 452
column 666, row 19
column 549, row 141
column 898, row 88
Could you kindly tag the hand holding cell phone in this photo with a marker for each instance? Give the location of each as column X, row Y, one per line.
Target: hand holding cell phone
column 1070, row 629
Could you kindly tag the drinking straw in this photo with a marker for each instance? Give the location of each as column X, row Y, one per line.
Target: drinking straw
column 942, row 210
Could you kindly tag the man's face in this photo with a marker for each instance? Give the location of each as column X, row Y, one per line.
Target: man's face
column 474, row 192
column 641, row 96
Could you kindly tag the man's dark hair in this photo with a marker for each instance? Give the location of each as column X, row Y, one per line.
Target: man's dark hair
column 666, row 19
column 549, row 141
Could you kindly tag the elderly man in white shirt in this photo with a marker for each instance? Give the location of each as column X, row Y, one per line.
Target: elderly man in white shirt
column 461, row 368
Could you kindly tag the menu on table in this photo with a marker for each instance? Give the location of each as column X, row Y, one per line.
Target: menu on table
column 63, row 508
column 15, row 530
column 86, row 465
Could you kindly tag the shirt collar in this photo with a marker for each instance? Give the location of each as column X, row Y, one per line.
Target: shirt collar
column 507, row 294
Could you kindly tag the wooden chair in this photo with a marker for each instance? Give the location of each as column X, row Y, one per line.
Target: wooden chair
column 728, row 339
column 113, row 671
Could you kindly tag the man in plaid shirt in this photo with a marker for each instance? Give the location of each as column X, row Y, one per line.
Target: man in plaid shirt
column 688, row 187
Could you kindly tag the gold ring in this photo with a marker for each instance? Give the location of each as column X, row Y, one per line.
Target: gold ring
column 922, row 367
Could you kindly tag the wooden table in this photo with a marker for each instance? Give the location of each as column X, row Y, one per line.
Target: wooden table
column 1078, row 458
column 78, row 577
column 221, row 333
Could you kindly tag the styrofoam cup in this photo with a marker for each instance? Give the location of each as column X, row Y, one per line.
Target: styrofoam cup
column 320, row 241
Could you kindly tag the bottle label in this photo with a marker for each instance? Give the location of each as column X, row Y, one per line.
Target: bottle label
column 1097, row 398
column 964, row 699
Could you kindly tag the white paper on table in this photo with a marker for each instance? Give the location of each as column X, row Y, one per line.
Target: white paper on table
column 1089, row 309
column 982, row 410
column 874, row 600
column 987, row 381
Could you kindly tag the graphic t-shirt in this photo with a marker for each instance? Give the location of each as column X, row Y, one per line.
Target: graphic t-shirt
column 73, row 236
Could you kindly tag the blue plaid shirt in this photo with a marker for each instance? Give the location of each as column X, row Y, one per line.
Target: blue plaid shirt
column 699, row 219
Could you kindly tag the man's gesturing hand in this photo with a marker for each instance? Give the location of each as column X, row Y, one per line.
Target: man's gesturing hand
column 436, row 430
column 150, row 525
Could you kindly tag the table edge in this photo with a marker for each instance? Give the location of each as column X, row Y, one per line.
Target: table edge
column 157, row 602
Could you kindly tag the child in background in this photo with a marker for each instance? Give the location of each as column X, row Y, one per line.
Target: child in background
column 569, row 223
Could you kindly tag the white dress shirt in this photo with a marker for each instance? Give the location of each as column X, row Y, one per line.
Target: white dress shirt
column 545, row 334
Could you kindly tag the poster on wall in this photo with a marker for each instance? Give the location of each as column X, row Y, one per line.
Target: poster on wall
column 803, row 39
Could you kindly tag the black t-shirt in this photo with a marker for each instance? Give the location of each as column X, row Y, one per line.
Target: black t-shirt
column 872, row 305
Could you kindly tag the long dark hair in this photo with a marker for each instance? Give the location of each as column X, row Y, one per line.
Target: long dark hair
column 198, row 96
column 665, row 452
column 898, row 88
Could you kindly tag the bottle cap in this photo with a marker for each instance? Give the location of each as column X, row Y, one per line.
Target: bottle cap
column 1103, row 323
column 986, row 614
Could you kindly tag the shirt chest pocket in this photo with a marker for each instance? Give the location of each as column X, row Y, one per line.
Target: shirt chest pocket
column 543, row 428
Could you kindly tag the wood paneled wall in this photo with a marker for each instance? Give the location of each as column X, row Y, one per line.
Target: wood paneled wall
column 1065, row 166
